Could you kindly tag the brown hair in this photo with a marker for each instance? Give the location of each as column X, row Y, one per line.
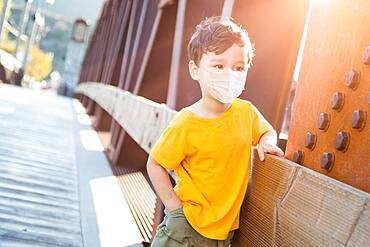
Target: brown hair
column 217, row 34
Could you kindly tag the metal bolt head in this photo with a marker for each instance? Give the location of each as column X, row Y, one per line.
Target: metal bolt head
column 310, row 140
column 156, row 115
column 342, row 141
column 358, row 119
column 298, row 157
column 352, row 79
column 337, row 101
column 323, row 121
column 327, row 160
column 366, row 56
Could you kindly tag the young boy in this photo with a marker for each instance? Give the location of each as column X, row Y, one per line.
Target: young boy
column 208, row 144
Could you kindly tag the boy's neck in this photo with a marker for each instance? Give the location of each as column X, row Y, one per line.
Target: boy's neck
column 213, row 106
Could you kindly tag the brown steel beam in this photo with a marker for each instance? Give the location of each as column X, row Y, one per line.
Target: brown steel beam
column 275, row 27
column 148, row 82
column 190, row 13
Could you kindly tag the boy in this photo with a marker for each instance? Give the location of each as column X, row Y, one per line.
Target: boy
column 208, row 144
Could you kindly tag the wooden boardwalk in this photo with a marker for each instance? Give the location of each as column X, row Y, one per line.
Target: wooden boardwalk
column 39, row 203
column 46, row 199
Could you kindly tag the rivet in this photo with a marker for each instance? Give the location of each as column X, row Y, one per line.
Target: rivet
column 310, row 140
column 366, row 56
column 298, row 157
column 156, row 115
column 323, row 121
column 358, row 119
column 149, row 144
column 337, row 101
column 342, row 141
column 327, row 160
column 352, row 79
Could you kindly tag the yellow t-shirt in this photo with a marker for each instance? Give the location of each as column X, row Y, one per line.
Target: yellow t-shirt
column 211, row 159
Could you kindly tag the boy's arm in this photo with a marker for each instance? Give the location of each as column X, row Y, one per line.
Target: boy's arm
column 162, row 185
column 264, row 135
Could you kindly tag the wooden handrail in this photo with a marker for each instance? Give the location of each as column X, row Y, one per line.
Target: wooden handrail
column 143, row 119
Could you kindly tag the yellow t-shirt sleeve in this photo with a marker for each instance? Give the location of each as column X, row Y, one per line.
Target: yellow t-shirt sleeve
column 169, row 149
column 259, row 125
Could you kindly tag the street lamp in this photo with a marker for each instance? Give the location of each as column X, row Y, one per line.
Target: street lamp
column 39, row 22
column 2, row 19
column 25, row 18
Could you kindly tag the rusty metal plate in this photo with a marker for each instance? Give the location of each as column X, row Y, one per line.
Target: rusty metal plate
column 331, row 99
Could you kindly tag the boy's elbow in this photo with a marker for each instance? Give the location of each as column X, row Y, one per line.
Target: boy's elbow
column 151, row 163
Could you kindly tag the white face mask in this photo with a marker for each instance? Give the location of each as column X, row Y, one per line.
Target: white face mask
column 225, row 85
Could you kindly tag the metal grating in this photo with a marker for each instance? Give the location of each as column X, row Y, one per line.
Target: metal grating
column 39, row 201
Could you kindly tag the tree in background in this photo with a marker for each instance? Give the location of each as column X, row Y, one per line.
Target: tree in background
column 40, row 65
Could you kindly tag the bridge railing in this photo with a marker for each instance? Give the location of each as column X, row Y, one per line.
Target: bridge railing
column 286, row 204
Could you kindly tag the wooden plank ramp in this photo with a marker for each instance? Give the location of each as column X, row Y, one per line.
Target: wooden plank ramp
column 291, row 205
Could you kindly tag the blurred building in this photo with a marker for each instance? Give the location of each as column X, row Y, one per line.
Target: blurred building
column 74, row 55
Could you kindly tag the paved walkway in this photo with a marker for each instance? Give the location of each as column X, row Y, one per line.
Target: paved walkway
column 56, row 185
column 39, row 203
column 53, row 174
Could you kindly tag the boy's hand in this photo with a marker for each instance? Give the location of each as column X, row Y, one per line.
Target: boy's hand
column 173, row 204
column 267, row 144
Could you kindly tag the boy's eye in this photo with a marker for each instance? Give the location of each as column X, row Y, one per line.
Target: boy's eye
column 241, row 69
column 218, row 66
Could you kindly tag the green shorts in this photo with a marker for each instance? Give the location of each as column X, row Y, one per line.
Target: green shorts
column 175, row 230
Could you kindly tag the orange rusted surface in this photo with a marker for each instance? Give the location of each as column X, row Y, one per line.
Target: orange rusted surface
column 331, row 99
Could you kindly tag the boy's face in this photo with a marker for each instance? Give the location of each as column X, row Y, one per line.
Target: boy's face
column 234, row 58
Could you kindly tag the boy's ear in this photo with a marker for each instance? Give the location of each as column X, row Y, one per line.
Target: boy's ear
column 193, row 70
